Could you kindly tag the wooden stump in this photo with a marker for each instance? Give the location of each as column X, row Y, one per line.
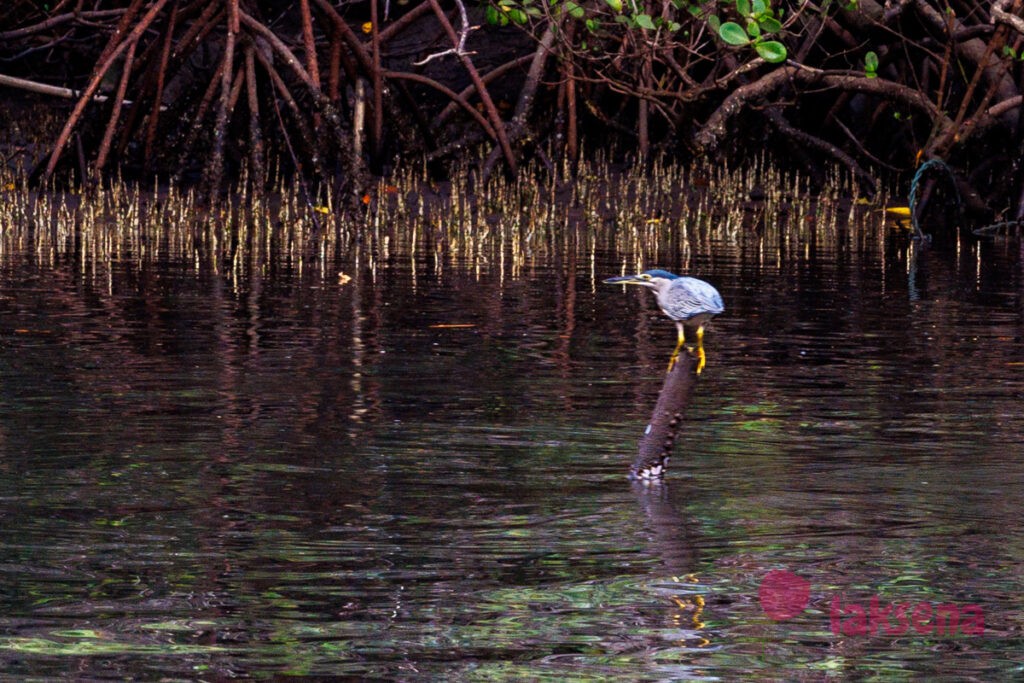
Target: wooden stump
column 656, row 444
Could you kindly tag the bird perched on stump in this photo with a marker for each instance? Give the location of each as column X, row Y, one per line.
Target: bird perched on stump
column 686, row 300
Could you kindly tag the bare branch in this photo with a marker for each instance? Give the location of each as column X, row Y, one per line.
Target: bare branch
column 59, row 20
column 46, row 89
column 460, row 47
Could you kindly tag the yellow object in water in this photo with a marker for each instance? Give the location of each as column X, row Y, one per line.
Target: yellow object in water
column 902, row 215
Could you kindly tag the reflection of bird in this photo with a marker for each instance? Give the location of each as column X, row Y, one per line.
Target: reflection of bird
column 687, row 300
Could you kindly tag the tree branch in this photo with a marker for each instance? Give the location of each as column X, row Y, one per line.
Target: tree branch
column 717, row 125
column 1001, row 14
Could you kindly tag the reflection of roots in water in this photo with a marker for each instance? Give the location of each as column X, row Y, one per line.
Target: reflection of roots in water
column 662, row 213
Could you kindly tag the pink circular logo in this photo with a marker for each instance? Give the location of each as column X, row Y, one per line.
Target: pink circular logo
column 783, row 594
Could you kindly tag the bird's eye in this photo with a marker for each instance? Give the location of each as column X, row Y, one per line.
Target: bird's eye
column 646, row 276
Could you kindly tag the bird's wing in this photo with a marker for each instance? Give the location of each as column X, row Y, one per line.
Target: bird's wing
column 690, row 296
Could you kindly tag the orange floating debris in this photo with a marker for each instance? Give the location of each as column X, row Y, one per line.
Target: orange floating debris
column 451, row 326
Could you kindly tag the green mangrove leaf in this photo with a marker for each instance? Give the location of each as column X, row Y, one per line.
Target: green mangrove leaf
column 644, row 21
column 871, row 61
column 517, row 16
column 616, row 5
column 574, row 10
column 769, row 25
column 771, row 51
column 743, row 7
column 733, row 34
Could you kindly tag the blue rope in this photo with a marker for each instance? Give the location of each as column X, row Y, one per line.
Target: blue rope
column 931, row 163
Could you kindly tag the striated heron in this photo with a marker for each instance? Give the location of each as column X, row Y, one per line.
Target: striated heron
column 687, row 300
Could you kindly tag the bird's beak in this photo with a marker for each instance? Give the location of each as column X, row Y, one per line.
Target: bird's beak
column 624, row 280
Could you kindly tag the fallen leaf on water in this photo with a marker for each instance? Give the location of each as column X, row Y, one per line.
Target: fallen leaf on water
column 344, row 278
column 899, row 211
column 451, row 326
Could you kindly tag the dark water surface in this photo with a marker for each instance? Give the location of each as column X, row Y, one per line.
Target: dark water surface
column 420, row 473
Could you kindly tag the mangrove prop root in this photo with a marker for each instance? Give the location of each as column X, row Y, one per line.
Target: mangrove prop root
column 481, row 88
column 255, row 129
column 104, row 66
column 937, row 85
column 122, row 87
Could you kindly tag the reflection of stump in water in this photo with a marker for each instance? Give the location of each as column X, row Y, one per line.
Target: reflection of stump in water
column 659, row 437
column 671, row 532
column 672, row 538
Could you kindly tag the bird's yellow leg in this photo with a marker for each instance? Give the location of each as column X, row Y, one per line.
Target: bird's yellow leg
column 701, row 358
column 679, row 345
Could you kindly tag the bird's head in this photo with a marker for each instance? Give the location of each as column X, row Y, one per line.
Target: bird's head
column 655, row 279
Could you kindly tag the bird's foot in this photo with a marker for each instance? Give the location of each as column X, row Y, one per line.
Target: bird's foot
column 672, row 362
